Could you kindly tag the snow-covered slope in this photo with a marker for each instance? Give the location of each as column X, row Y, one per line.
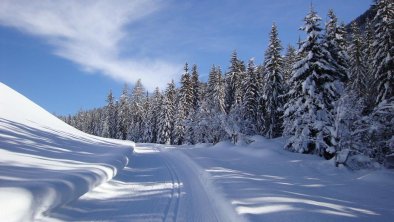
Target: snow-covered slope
column 44, row 162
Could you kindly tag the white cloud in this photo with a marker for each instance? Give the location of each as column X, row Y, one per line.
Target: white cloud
column 90, row 32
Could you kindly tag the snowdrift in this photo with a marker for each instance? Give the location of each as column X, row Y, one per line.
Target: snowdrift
column 45, row 163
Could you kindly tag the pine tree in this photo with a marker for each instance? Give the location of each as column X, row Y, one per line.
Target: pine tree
column 156, row 103
column 308, row 115
column 250, row 100
column 184, row 105
column 274, row 90
column 136, row 108
column 369, row 36
column 260, row 121
column 215, row 104
column 288, row 62
column 167, row 115
column 147, row 126
column 124, row 113
column 165, row 122
column 201, row 129
column 110, row 123
column 384, row 50
column 215, row 90
column 190, row 122
column 195, row 85
column 374, row 133
column 335, row 45
column 233, row 78
column 198, row 124
column 358, row 71
column 341, row 39
column 349, row 111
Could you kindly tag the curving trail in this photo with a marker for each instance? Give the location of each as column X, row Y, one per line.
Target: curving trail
column 159, row 184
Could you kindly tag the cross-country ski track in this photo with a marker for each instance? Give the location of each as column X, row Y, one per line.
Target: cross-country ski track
column 159, row 184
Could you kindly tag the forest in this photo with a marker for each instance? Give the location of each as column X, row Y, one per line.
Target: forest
column 332, row 95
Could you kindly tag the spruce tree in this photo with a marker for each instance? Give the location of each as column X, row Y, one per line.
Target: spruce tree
column 215, row 90
column 147, row 124
column 156, row 103
column 250, row 100
column 369, row 37
column 165, row 122
column 124, row 114
column 384, row 50
column 308, row 116
column 136, row 108
column 335, row 45
column 202, row 128
column 215, row 105
column 167, row 116
column 186, row 92
column 358, row 69
column 110, row 123
column 274, row 90
column 195, row 85
column 184, row 105
column 288, row 62
column 233, row 78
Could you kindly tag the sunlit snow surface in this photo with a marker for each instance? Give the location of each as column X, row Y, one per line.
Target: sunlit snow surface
column 225, row 182
column 263, row 182
column 45, row 163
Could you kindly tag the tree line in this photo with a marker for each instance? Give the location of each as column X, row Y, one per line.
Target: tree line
column 333, row 94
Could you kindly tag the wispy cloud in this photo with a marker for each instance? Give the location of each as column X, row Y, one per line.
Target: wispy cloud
column 90, row 33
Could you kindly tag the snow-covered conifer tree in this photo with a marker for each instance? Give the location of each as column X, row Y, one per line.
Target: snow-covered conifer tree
column 369, row 38
column 184, row 106
column 233, row 78
column 335, row 45
column 124, row 115
column 195, row 85
column 136, row 110
column 274, row 89
column 384, row 50
column 288, row 62
column 167, row 115
column 308, row 116
column 215, row 104
column 250, row 101
column 202, row 127
column 375, row 133
column 165, row 122
column 147, row 124
column 109, row 128
column 358, row 69
column 215, row 90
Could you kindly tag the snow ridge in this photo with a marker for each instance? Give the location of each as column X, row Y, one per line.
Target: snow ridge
column 45, row 163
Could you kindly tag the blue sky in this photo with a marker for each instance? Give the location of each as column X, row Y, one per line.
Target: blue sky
column 67, row 54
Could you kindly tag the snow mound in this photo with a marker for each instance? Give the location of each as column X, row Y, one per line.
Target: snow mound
column 45, row 163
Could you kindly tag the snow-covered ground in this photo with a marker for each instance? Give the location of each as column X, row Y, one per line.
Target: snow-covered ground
column 46, row 165
column 256, row 182
column 157, row 185
column 263, row 182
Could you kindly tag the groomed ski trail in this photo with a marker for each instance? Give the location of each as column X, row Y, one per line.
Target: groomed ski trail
column 159, row 184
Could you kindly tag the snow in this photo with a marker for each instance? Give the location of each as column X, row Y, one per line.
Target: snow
column 266, row 183
column 160, row 184
column 50, row 171
column 226, row 182
column 44, row 162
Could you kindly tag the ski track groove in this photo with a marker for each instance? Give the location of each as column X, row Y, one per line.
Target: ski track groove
column 175, row 193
